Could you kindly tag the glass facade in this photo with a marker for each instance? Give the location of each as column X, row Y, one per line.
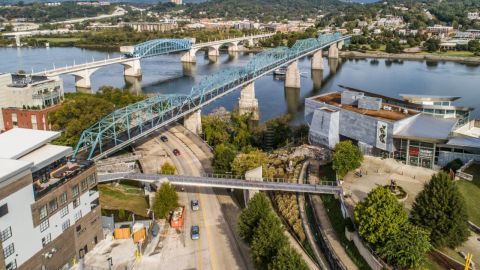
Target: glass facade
column 415, row 153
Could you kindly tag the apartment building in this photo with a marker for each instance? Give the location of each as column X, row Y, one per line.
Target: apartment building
column 26, row 100
column 49, row 205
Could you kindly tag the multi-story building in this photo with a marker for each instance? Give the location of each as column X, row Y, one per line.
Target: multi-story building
column 26, row 101
column 176, row 2
column 440, row 30
column 473, row 16
column 420, row 130
column 151, row 26
column 49, row 206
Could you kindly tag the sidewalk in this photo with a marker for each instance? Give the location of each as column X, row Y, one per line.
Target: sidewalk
column 329, row 232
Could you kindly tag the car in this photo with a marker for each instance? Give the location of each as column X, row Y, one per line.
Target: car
column 195, row 232
column 176, row 152
column 195, row 205
column 164, row 138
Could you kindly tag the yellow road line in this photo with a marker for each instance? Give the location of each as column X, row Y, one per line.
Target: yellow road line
column 209, row 239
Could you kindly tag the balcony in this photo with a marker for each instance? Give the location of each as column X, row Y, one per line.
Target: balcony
column 55, row 176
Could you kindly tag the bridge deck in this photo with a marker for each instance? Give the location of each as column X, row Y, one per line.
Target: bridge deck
column 212, row 181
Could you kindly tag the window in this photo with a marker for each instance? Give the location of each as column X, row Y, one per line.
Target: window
column 76, row 202
column 84, row 184
column 53, row 205
column 64, row 211
column 78, row 215
column 44, row 225
column 46, row 239
column 63, row 198
column 11, row 265
column 5, row 234
column 43, row 212
column 92, row 179
column 65, row 225
column 9, row 250
column 75, row 191
column 3, row 210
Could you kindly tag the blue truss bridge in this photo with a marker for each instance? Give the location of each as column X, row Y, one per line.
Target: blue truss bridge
column 128, row 124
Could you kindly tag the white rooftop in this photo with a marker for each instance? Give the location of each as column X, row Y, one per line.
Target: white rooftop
column 11, row 167
column 46, row 155
column 18, row 142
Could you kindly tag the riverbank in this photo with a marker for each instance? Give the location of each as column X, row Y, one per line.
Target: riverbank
column 411, row 56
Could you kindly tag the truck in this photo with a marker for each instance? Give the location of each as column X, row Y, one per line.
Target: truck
column 177, row 217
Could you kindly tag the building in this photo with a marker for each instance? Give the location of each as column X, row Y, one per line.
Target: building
column 151, row 26
column 176, row 2
column 418, row 130
column 26, row 100
column 49, row 206
column 93, row 3
column 440, row 30
column 473, row 16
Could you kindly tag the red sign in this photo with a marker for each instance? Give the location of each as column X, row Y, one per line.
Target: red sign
column 413, row 151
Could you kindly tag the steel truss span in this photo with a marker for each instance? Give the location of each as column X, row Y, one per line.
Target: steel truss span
column 225, row 181
column 160, row 46
column 125, row 125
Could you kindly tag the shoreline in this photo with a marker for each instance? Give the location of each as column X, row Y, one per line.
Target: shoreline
column 411, row 56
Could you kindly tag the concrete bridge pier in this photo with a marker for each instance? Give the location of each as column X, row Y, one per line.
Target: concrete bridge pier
column 213, row 51
column 292, row 78
column 134, row 84
column 247, row 103
column 252, row 175
column 189, row 56
column 132, row 68
column 340, row 44
column 317, row 77
column 317, row 60
column 82, row 78
column 333, row 65
column 193, row 122
column 233, row 48
column 333, row 51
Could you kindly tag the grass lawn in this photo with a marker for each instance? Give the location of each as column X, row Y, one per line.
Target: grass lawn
column 455, row 53
column 123, row 196
column 59, row 40
column 471, row 193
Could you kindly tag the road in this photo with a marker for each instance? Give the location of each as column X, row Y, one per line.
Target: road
column 216, row 248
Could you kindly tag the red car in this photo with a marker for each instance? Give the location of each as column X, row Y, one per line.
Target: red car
column 176, row 152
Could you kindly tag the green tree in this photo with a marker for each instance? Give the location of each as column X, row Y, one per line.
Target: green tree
column 215, row 130
column 268, row 240
column 379, row 216
column 247, row 161
column 257, row 208
column 223, row 155
column 346, row 157
column 166, row 200
column 287, row 258
column 406, row 248
column 440, row 208
column 474, row 45
column 167, row 168
column 432, row 44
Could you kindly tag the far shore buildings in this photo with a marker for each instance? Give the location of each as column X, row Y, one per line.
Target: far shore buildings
column 420, row 130
column 26, row 100
column 49, row 205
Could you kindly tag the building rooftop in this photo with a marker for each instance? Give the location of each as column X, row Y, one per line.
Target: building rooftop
column 18, row 142
column 389, row 113
column 418, row 98
column 11, row 167
column 464, row 142
column 46, row 155
column 425, row 127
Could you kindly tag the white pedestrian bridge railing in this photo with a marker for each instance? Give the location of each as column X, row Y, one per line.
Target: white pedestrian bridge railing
column 225, row 181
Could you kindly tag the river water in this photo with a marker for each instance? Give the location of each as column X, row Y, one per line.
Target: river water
column 166, row 75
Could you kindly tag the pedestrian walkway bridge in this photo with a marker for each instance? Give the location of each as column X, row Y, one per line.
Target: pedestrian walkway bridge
column 224, row 181
column 128, row 124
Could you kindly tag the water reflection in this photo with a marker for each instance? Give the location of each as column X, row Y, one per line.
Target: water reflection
column 317, row 77
column 133, row 84
column 333, row 64
column 292, row 98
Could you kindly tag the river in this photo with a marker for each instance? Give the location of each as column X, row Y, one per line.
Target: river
column 166, row 75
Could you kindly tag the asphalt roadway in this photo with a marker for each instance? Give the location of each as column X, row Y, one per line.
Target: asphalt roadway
column 216, row 248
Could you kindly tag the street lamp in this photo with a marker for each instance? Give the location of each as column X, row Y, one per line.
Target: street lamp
column 110, row 263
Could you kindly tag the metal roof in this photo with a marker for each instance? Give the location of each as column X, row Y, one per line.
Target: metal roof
column 11, row 167
column 18, row 142
column 465, row 142
column 416, row 97
column 426, row 127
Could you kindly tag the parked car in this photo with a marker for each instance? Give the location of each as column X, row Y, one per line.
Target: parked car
column 164, row 138
column 195, row 232
column 176, row 152
column 195, row 205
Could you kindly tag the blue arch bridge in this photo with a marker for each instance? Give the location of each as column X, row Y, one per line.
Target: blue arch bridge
column 128, row 124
